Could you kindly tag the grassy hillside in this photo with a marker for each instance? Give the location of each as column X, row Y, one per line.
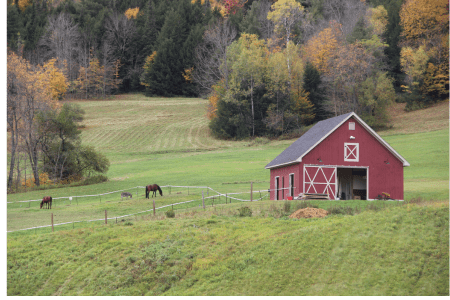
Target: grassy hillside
column 384, row 249
column 432, row 118
column 402, row 250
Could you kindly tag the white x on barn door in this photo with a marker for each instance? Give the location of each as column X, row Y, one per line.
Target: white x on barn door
column 320, row 180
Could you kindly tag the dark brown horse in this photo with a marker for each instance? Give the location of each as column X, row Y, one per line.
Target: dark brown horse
column 152, row 188
column 48, row 201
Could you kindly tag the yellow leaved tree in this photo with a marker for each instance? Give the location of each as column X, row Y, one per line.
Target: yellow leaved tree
column 97, row 80
column 57, row 83
column 425, row 32
column 132, row 13
column 321, row 48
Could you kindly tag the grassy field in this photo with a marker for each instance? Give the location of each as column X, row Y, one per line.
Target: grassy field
column 212, row 251
column 401, row 250
column 224, row 170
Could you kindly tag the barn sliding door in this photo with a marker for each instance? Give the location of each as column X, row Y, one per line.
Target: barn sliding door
column 320, row 180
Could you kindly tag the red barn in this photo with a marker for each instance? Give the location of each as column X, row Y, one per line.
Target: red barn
column 342, row 157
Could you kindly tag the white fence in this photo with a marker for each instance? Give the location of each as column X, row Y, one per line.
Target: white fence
column 218, row 194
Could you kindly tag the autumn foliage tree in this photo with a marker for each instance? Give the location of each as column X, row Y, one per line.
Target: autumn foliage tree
column 425, row 33
column 29, row 90
column 96, row 79
column 285, row 15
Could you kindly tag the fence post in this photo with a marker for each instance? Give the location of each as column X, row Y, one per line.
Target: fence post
column 52, row 222
column 106, row 217
column 251, row 191
column 226, row 198
column 154, row 209
column 203, row 200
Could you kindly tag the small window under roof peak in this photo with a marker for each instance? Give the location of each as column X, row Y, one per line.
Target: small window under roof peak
column 351, row 126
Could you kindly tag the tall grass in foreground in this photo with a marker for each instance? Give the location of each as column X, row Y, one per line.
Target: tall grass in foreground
column 400, row 250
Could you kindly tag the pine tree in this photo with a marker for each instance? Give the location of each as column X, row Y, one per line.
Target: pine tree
column 312, row 85
column 14, row 26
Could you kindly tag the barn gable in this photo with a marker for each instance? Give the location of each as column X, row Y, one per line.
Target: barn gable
column 302, row 146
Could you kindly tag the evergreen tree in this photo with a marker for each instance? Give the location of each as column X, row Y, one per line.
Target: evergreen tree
column 166, row 78
column 34, row 27
column 14, row 26
column 312, row 85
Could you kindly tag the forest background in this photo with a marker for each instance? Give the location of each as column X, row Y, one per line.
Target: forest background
column 268, row 68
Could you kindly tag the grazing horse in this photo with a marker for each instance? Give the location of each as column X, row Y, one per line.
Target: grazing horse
column 152, row 188
column 48, row 201
column 126, row 195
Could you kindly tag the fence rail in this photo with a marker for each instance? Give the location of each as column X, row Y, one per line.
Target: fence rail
column 218, row 194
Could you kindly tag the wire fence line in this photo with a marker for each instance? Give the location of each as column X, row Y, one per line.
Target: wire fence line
column 218, row 194
column 165, row 186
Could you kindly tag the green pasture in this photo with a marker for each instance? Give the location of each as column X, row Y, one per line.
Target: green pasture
column 224, row 170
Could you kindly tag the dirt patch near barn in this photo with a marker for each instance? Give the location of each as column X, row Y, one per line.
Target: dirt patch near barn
column 309, row 212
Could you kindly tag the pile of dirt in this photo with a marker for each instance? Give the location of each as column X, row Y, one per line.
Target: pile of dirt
column 309, row 212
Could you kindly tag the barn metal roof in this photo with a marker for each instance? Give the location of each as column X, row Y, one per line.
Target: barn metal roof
column 295, row 152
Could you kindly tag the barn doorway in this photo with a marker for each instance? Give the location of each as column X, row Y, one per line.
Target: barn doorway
column 352, row 183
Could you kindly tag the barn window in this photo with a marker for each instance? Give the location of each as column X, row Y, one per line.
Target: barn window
column 351, row 152
column 351, row 126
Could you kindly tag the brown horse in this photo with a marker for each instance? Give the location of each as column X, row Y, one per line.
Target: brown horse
column 48, row 201
column 152, row 188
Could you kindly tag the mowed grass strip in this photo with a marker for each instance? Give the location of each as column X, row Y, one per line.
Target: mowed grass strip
column 401, row 250
column 138, row 123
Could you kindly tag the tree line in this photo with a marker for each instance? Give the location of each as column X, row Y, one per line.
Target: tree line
column 291, row 63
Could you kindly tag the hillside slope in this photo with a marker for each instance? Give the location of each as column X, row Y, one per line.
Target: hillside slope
column 402, row 250
column 432, row 118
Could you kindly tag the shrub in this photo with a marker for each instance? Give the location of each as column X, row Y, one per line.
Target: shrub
column 170, row 213
column 245, row 211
